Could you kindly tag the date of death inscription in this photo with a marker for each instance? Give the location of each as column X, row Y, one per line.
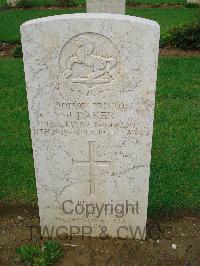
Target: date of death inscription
column 91, row 119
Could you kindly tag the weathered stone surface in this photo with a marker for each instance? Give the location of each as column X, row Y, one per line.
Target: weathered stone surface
column 106, row 6
column 12, row 2
column 91, row 81
column 193, row 1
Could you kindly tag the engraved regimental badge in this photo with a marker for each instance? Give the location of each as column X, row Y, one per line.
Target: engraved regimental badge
column 90, row 64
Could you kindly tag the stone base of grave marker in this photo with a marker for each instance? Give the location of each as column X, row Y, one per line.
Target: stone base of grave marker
column 91, row 81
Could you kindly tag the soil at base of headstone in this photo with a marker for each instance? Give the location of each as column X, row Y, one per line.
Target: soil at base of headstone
column 81, row 6
column 170, row 241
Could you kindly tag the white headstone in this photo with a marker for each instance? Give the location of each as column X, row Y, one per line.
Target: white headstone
column 106, row 6
column 193, row 1
column 91, row 81
column 12, row 2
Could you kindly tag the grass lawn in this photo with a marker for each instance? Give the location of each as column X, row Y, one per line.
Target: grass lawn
column 175, row 171
column 167, row 18
column 10, row 20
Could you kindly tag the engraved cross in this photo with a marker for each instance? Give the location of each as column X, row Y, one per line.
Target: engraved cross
column 92, row 164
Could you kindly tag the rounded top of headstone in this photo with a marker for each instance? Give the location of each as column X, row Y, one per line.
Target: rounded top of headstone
column 116, row 17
